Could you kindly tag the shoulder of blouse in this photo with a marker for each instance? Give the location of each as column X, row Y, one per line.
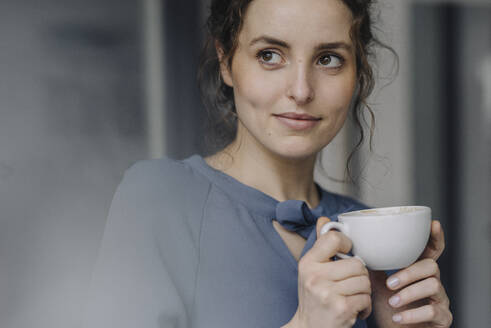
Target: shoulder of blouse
column 163, row 176
column 167, row 193
column 150, row 248
column 154, row 172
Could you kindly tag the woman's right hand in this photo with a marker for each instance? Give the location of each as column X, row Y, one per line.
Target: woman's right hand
column 331, row 293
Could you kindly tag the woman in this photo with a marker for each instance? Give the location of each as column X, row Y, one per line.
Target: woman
column 233, row 240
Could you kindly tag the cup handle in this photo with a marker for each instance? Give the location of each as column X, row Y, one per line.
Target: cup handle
column 344, row 229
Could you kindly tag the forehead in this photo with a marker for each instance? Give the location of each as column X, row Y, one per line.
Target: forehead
column 298, row 20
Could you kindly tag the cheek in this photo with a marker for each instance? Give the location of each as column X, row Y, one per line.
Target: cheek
column 249, row 95
column 338, row 94
column 255, row 88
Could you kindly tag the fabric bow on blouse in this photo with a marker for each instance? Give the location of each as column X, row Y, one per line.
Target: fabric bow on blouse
column 296, row 216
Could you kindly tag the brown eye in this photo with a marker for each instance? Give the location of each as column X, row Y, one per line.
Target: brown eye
column 330, row 61
column 269, row 58
column 325, row 60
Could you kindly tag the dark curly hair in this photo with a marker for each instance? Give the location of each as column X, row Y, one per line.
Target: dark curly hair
column 223, row 26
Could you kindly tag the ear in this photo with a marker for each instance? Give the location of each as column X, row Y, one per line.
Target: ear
column 225, row 70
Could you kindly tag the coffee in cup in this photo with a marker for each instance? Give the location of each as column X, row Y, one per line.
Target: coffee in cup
column 385, row 238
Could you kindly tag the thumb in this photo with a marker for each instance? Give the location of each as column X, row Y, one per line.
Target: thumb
column 320, row 223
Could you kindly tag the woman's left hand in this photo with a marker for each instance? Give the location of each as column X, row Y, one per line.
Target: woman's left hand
column 420, row 297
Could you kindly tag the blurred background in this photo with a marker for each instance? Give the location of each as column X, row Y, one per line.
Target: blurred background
column 89, row 87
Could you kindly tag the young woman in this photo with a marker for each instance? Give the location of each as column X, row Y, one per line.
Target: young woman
column 232, row 240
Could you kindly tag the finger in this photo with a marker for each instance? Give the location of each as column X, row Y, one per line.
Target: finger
column 364, row 314
column 428, row 288
column 354, row 286
column 441, row 317
column 327, row 246
column 320, row 223
column 343, row 269
column 418, row 271
column 436, row 243
column 361, row 303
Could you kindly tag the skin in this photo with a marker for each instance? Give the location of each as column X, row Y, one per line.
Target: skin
column 278, row 67
column 266, row 154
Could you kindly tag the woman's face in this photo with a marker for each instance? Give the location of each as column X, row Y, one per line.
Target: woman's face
column 293, row 74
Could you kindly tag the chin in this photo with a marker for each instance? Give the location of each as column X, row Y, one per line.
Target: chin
column 296, row 150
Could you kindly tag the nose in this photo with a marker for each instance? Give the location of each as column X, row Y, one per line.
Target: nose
column 300, row 87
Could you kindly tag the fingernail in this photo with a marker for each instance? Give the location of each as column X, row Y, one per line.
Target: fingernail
column 397, row 318
column 393, row 282
column 394, row 300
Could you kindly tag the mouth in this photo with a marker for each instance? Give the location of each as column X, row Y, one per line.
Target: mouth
column 296, row 121
column 297, row 116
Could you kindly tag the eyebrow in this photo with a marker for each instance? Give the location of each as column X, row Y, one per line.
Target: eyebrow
column 321, row 46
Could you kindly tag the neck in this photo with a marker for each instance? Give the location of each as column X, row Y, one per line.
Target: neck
column 281, row 178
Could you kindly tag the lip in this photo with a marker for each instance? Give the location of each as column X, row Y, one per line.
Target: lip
column 297, row 121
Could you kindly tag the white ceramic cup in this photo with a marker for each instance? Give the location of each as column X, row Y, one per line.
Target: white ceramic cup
column 385, row 238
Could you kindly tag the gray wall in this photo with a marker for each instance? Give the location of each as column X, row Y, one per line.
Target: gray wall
column 70, row 123
column 73, row 117
column 474, row 163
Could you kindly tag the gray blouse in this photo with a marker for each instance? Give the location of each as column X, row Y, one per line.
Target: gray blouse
column 188, row 246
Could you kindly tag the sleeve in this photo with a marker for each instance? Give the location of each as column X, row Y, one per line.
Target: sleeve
column 131, row 286
column 371, row 321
